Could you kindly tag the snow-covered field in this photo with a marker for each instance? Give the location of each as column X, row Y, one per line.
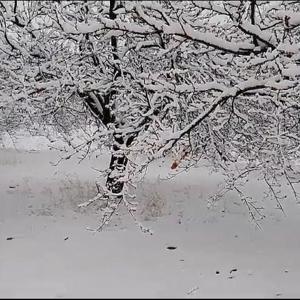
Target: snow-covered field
column 46, row 251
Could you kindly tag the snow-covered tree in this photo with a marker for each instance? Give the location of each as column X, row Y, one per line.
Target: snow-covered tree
column 213, row 80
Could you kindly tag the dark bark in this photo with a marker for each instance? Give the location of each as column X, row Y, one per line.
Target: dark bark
column 118, row 164
column 252, row 16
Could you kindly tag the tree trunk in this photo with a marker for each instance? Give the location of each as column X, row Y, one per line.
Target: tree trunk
column 117, row 167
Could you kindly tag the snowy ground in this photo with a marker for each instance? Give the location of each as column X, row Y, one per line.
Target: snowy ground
column 46, row 251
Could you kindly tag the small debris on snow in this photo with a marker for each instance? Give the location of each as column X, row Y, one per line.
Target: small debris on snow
column 217, row 272
column 9, row 238
column 66, row 238
column 193, row 290
column 171, row 247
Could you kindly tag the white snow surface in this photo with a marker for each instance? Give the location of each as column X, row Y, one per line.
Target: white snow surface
column 46, row 250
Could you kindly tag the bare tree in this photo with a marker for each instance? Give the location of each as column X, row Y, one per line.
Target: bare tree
column 205, row 80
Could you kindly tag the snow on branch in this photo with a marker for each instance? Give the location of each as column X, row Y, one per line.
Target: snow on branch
column 184, row 88
column 249, row 85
